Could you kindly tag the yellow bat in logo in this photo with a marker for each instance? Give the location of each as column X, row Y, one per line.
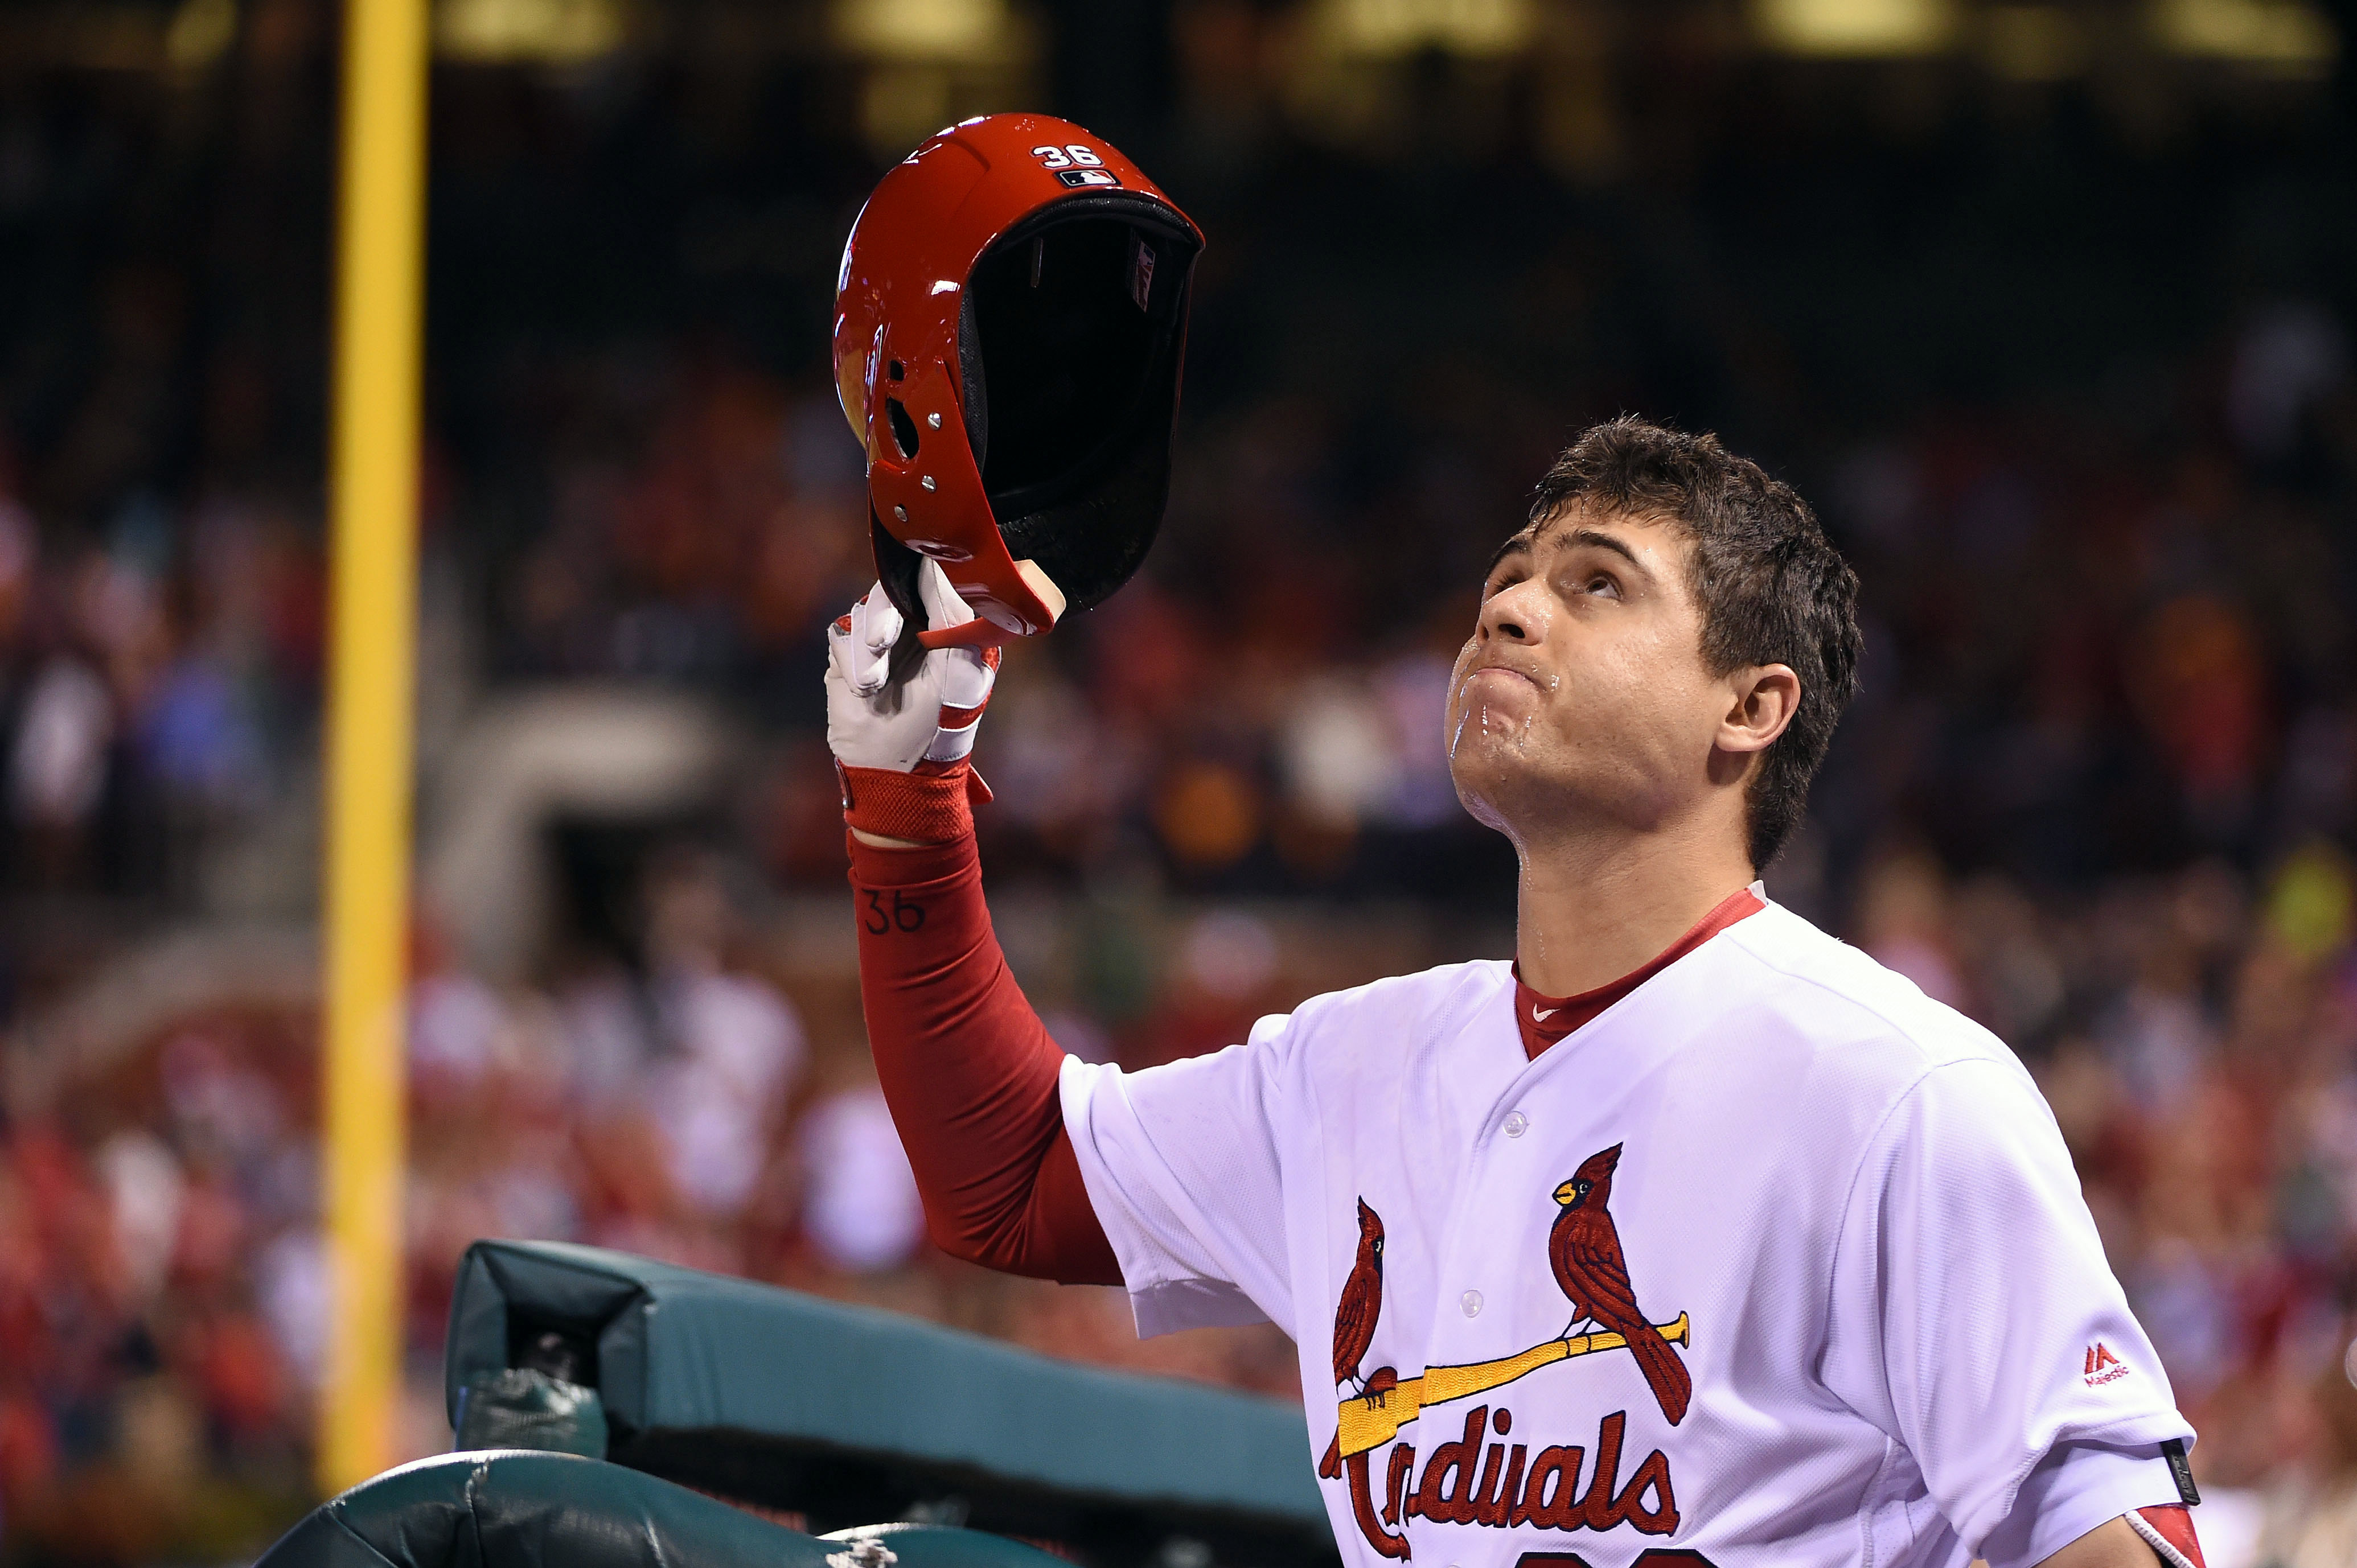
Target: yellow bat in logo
column 1369, row 1422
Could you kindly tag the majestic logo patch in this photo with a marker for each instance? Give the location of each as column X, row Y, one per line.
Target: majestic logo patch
column 1461, row 1484
column 2101, row 1367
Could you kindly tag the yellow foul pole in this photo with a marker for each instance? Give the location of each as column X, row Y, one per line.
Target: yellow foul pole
column 373, row 590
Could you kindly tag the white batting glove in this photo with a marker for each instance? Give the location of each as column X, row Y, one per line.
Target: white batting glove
column 902, row 752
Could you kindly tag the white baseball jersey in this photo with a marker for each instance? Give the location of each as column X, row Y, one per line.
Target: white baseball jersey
column 1884, row 1331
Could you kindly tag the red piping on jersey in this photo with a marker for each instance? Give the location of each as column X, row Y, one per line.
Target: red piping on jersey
column 1544, row 1020
column 971, row 1073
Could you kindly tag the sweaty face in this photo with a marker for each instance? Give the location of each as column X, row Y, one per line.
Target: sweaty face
column 1581, row 697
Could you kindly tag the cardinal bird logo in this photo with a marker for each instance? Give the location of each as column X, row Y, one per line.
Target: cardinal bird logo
column 1584, row 1249
column 1354, row 1330
column 1363, row 1300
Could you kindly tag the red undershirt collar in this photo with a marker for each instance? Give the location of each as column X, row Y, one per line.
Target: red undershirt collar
column 1545, row 1020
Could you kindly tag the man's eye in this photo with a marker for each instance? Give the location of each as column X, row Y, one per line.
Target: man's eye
column 1602, row 584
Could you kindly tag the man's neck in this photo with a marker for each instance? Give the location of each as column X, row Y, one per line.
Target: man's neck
column 1589, row 912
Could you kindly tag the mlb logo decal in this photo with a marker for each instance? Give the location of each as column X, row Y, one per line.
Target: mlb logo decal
column 1080, row 176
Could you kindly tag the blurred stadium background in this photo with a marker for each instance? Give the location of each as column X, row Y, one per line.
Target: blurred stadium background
column 2045, row 305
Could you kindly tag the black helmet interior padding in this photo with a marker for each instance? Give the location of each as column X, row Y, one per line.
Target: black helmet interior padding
column 1070, row 383
column 1072, row 331
column 977, row 400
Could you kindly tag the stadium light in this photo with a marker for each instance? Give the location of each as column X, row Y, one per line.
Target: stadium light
column 1394, row 28
column 948, row 30
column 2032, row 43
column 199, row 33
column 1857, row 28
column 549, row 32
column 2283, row 35
column 927, row 62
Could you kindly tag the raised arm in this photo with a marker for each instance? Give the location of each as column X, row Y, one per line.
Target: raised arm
column 967, row 1068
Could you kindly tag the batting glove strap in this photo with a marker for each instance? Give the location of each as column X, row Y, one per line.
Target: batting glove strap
column 2168, row 1530
column 926, row 807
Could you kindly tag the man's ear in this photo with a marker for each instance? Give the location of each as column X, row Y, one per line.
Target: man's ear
column 1763, row 699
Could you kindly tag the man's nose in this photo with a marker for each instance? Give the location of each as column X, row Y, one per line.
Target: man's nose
column 1518, row 614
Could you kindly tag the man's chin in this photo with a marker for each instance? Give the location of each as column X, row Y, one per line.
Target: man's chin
column 1492, row 782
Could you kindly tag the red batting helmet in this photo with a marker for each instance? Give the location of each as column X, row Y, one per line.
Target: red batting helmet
column 1009, row 324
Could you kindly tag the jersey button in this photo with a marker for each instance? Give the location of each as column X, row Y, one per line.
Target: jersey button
column 1516, row 1123
column 1471, row 1302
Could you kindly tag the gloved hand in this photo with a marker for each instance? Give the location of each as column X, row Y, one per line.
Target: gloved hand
column 901, row 748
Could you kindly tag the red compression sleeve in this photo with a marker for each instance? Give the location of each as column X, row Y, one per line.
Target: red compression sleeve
column 969, row 1070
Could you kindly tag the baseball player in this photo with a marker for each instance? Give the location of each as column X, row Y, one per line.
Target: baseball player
column 1690, row 1236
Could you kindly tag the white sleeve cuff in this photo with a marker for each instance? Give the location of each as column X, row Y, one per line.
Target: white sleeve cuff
column 2075, row 1489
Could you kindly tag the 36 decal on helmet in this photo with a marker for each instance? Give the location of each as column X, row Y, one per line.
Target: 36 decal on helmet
column 1008, row 325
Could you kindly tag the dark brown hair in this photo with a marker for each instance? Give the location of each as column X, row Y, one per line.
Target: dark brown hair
column 1773, row 588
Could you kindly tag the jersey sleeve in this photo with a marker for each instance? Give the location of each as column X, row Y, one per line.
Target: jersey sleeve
column 1973, row 1317
column 2075, row 1489
column 1180, row 1164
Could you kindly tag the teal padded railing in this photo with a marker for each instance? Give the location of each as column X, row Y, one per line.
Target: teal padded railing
column 517, row 1509
column 843, row 1414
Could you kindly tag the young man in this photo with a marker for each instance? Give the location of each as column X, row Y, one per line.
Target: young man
column 1692, row 1237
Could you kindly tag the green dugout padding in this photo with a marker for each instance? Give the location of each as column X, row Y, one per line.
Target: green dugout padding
column 518, row 1510
column 847, row 1415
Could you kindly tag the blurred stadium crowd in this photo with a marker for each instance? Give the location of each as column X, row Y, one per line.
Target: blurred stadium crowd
column 2100, row 791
